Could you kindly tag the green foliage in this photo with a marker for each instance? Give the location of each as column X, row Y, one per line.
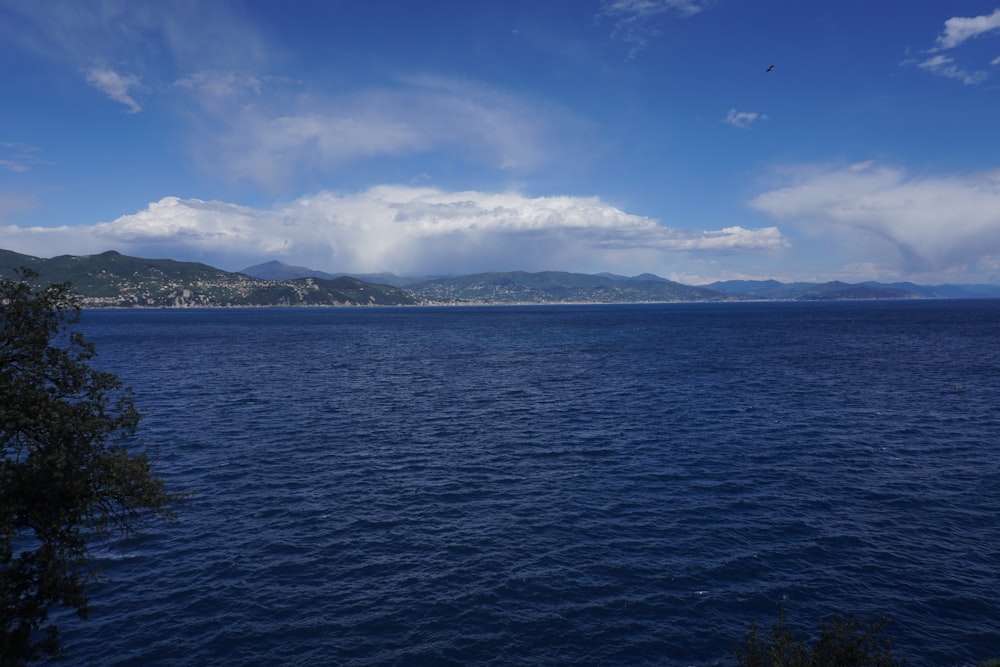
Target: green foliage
column 64, row 480
column 843, row 642
column 559, row 286
column 113, row 279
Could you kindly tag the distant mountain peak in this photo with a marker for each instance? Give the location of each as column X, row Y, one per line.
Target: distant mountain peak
column 277, row 270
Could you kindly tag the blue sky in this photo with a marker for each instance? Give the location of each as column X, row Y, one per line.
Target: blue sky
column 460, row 136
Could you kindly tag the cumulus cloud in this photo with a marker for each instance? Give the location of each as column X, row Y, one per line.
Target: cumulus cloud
column 635, row 21
column 934, row 222
column 115, row 85
column 408, row 230
column 743, row 119
column 959, row 29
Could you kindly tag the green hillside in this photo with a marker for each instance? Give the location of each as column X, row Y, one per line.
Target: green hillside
column 558, row 286
column 111, row 279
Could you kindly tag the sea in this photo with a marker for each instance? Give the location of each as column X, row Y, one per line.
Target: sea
column 553, row 485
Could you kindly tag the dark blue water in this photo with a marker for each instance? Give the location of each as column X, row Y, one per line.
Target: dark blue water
column 602, row 485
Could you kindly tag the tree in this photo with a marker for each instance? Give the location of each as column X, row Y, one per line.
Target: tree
column 843, row 642
column 65, row 478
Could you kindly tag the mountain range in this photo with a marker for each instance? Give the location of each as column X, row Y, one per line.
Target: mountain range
column 552, row 286
column 111, row 279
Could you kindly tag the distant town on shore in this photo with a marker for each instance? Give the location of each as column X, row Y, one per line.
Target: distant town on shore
column 113, row 280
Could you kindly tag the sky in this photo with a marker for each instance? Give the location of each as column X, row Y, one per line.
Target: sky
column 461, row 136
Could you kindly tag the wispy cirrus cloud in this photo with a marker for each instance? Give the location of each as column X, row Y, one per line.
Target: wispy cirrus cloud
column 221, row 85
column 743, row 119
column 934, row 223
column 645, row 9
column 404, row 229
column 636, row 21
column 115, row 85
column 269, row 132
column 154, row 42
column 947, row 67
column 19, row 157
column 957, row 31
column 208, row 63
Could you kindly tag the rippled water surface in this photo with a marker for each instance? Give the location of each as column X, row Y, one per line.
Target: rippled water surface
column 554, row 485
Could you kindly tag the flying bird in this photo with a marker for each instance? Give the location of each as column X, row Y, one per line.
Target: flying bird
column 770, row 67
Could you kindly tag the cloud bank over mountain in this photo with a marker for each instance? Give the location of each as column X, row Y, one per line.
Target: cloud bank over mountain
column 403, row 229
column 934, row 223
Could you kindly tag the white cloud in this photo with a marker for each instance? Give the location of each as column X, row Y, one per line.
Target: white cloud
column 958, row 29
column 743, row 119
column 121, row 46
column 934, row 223
column 221, row 85
column 270, row 132
column 13, row 166
column 945, row 66
column 635, row 21
column 205, row 60
column 642, row 9
column 151, row 38
column 19, row 157
column 116, row 86
column 404, row 229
